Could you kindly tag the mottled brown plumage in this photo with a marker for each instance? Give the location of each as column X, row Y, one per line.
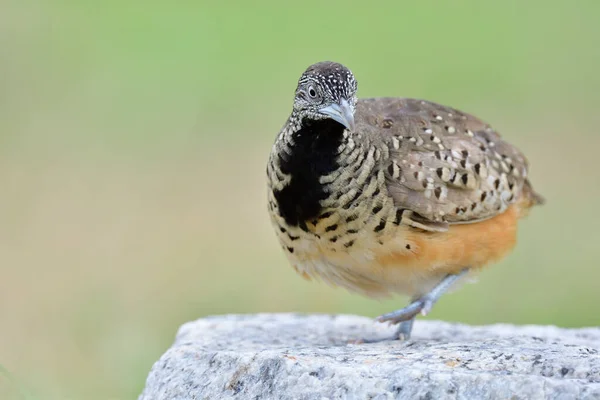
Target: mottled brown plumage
column 390, row 195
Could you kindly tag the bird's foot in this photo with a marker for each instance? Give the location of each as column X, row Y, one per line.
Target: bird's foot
column 422, row 305
column 404, row 330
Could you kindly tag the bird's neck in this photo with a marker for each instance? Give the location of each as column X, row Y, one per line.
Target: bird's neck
column 320, row 135
column 311, row 147
column 306, row 154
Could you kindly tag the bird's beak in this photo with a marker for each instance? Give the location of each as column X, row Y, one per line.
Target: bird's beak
column 341, row 113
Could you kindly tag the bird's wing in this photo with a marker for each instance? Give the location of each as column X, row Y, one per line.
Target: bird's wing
column 445, row 166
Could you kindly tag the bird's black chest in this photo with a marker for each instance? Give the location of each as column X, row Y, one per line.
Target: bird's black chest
column 313, row 155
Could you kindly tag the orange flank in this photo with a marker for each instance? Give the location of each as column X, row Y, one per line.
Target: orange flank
column 473, row 245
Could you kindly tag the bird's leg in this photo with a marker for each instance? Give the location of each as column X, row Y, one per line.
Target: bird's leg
column 406, row 316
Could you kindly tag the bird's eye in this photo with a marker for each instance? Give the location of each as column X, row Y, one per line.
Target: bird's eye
column 312, row 92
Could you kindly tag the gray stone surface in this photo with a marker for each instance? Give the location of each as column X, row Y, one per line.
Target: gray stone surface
column 290, row 356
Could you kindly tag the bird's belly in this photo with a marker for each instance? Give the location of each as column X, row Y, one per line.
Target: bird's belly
column 401, row 259
column 372, row 266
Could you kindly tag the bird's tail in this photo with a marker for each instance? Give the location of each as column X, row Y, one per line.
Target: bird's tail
column 534, row 197
column 529, row 199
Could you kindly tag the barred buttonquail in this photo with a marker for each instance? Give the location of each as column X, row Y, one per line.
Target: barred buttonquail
column 391, row 195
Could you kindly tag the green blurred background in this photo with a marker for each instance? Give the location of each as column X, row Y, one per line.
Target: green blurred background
column 133, row 142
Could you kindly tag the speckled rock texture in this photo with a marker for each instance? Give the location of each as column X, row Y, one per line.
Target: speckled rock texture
column 290, row 356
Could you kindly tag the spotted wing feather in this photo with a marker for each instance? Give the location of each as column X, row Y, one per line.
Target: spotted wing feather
column 445, row 166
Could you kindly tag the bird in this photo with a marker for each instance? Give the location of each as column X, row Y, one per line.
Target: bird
column 390, row 195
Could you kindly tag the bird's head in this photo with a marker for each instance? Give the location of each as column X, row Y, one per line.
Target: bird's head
column 327, row 90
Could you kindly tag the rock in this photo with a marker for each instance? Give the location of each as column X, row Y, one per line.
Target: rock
column 290, row 356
